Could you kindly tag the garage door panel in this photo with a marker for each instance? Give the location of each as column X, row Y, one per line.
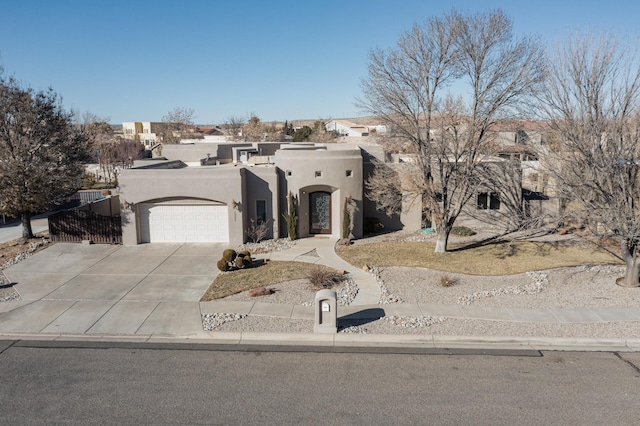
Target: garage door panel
column 184, row 223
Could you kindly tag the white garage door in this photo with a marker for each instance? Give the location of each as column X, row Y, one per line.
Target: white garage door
column 169, row 223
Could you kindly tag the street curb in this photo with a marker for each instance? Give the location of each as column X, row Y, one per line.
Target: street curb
column 309, row 342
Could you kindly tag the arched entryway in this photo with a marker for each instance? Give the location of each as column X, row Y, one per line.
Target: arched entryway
column 320, row 212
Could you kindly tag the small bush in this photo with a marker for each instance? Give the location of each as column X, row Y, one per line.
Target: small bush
column 323, row 277
column 223, row 265
column 462, row 231
column 256, row 232
column 291, row 217
column 242, row 261
column 446, row 281
column 229, row 255
column 244, row 253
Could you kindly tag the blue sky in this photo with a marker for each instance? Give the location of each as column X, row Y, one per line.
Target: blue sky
column 282, row 60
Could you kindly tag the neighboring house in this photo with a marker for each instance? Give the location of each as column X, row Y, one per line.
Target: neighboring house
column 144, row 131
column 346, row 128
column 151, row 133
column 211, row 135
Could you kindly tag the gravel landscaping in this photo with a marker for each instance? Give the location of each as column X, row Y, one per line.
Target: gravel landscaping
column 562, row 288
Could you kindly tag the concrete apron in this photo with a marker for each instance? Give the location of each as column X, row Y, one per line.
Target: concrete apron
column 111, row 290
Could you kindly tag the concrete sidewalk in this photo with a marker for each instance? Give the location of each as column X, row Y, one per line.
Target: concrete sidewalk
column 151, row 293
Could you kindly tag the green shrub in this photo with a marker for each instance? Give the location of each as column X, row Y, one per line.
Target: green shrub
column 242, row 261
column 223, row 265
column 229, row 255
column 291, row 217
column 346, row 222
column 462, row 231
column 244, row 253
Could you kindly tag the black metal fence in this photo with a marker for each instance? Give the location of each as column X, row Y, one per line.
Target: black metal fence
column 79, row 225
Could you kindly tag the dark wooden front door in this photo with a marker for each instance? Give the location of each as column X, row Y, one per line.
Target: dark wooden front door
column 320, row 209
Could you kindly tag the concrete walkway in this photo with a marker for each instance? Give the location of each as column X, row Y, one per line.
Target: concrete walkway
column 151, row 292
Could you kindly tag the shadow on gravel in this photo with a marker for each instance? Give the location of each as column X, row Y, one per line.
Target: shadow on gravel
column 360, row 318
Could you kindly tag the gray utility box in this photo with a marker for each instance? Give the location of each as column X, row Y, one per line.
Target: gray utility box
column 326, row 315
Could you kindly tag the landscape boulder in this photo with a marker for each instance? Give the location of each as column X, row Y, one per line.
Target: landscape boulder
column 260, row 291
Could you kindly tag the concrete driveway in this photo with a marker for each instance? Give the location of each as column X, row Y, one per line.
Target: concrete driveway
column 149, row 289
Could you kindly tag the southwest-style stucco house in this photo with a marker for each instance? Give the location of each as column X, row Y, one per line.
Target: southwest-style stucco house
column 213, row 192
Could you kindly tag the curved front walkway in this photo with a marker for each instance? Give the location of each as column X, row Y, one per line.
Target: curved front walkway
column 321, row 250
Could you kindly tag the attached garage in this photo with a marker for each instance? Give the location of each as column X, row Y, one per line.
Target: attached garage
column 180, row 221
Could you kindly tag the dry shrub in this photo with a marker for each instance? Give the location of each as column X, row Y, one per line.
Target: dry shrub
column 257, row 231
column 321, row 276
column 446, row 281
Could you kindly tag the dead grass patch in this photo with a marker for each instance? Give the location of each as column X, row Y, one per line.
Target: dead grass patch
column 233, row 282
column 499, row 258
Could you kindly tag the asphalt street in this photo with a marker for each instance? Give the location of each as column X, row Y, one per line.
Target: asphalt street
column 13, row 230
column 130, row 385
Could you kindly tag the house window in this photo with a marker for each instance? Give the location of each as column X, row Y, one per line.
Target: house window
column 261, row 211
column 318, row 173
column 488, row 201
column 349, row 173
column 288, row 172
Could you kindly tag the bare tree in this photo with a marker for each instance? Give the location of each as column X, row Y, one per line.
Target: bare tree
column 449, row 136
column 254, row 130
column 41, row 151
column 91, row 124
column 592, row 100
column 177, row 122
column 113, row 153
column 233, row 126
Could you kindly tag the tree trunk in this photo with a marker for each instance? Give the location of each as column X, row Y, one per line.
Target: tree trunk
column 27, row 232
column 632, row 273
column 443, row 238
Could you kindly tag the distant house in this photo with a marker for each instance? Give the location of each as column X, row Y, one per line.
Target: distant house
column 146, row 132
column 207, row 135
column 346, row 128
column 151, row 133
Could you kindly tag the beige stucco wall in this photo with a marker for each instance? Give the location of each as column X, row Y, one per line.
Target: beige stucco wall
column 220, row 184
column 109, row 206
column 261, row 183
column 299, row 167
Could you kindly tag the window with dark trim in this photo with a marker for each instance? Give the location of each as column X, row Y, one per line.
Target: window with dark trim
column 488, row 201
column 261, row 211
